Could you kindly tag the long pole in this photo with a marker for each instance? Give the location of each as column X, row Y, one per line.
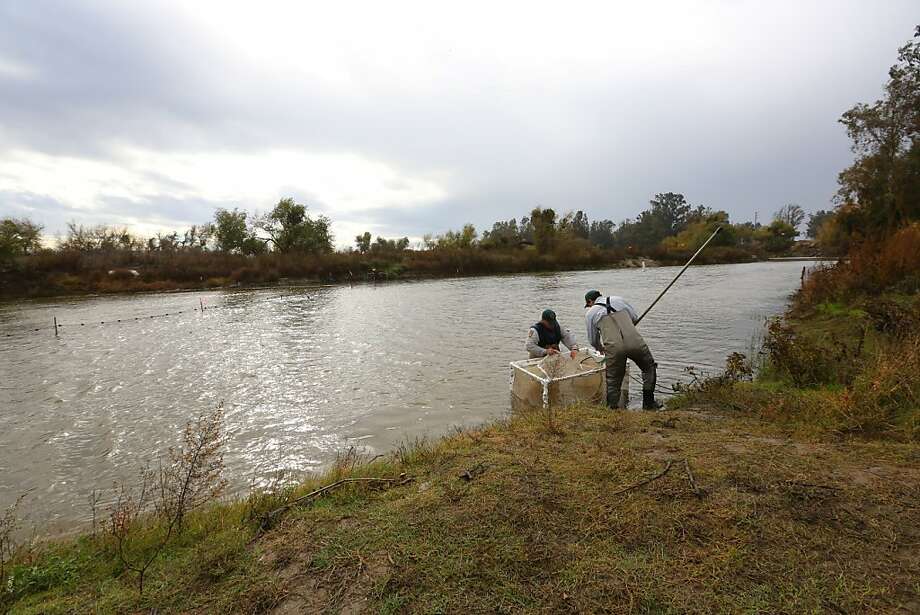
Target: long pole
column 689, row 262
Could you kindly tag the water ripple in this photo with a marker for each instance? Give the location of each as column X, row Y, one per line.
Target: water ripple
column 304, row 374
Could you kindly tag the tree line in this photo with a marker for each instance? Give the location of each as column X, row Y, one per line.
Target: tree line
column 670, row 223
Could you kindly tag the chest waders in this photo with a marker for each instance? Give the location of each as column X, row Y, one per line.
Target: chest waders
column 621, row 341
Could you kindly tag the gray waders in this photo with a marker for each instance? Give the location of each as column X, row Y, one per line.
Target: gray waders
column 622, row 341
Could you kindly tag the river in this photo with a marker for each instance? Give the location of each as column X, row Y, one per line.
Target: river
column 305, row 373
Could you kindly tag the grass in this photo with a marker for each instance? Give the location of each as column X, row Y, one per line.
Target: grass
column 517, row 517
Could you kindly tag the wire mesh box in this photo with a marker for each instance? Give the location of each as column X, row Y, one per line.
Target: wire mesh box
column 558, row 380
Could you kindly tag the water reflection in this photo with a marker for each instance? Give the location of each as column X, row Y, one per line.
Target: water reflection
column 304, row 373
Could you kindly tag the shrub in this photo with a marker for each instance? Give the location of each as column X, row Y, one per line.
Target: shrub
column 886, row 395
column 144, row 518
column 806, row 363
column 873, row 267
column 249, row 275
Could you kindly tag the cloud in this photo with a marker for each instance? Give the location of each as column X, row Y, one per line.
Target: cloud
column 405, row 118
column 146, row 188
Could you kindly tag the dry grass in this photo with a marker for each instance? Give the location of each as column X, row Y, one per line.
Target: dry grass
column 873, row 267
column 510, row 518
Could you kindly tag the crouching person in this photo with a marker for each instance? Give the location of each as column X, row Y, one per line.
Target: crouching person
column 544, row 337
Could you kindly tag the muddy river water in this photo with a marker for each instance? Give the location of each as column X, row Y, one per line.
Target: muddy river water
column 305, row 373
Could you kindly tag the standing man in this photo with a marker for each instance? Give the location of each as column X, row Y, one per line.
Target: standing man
column 544, row 337
column 612, row 330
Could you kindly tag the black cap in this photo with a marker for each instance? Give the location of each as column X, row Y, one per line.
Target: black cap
column 548, row 316
column 591, row 295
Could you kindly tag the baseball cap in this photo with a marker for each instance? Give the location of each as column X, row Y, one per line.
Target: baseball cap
column 591, row 295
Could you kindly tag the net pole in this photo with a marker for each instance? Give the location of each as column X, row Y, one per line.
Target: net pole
column 689, row 262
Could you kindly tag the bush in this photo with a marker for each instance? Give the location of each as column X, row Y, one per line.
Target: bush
column 873, row 267
column 249, row 275
column 886, row 395
column 806, row 363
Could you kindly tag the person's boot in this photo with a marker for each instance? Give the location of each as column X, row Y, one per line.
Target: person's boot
column 648, row 401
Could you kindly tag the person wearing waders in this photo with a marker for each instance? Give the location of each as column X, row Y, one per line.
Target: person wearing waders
column 612, row 330
column 543, row 338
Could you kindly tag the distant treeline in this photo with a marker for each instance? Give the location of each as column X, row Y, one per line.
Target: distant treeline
column 236, row 247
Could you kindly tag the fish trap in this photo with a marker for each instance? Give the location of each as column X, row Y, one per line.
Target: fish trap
column 559, row 380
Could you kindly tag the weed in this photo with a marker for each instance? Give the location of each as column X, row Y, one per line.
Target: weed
column 807, row 363
column 9, row 523
column 52, row 571
column 191, row 477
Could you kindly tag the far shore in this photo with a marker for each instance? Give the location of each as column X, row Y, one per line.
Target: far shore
column 123, row 281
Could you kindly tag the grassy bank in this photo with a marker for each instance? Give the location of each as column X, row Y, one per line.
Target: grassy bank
column 583, row 510
column 844, row 359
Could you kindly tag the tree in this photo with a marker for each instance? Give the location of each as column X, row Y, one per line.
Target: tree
column 816, row 221
column 197, row 237
column 698, row 231
column 544, row 229
column 504, row 234
column 100, row 238
column 363, row 242
column 880, row 192
column 468, row 236
column 601, row 233
column 389, row 246
column 18, row 237
column 461, row 240
column 778, row 237
column 744, row 233
column 574, row 224
column 832, row 237
column 230, row 230
column 290, row 229
column 791, row 214
column 164, row 243
column 526, row 230
column 668, row 215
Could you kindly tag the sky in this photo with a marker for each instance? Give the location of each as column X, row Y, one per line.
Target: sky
column 406, row 118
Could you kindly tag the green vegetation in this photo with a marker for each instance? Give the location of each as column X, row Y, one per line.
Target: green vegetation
column 584, row 510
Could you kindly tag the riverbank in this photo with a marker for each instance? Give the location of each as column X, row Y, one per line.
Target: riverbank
column 52, row 274
column 581, row 510
column 834, row 364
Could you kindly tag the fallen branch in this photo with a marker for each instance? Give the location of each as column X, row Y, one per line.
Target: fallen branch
column 667, row 468
column 813, row 485
column 269, row 517
column 696, row 490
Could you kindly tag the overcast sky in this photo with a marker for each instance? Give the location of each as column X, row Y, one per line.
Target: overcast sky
column 410, row 117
